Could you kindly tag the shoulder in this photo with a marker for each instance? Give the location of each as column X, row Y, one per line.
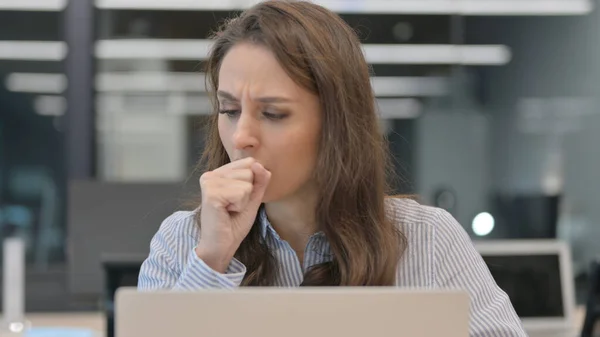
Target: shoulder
column 409, row 216
column 441, row 255
column 179, row 224
column 404, row 211
column 429, row 230
column 412, row 217
column 434, row 240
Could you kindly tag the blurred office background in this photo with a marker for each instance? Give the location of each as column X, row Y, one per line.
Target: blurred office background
column 491, row 108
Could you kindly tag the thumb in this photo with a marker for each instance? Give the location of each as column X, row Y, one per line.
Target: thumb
column 261, row 182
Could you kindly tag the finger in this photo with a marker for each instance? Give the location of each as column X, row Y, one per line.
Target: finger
column 240, row 174
column 242, row 163
column 226, row 193
column 261, row 182
column 237, row 193
column 233, row 193
column 206, row 176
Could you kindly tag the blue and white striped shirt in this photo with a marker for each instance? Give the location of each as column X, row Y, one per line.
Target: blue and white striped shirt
column 439, row 255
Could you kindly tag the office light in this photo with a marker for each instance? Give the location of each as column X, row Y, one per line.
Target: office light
column 132, row 82
column 393, row 86
column 483, row 224
column 526, row 7
column 173, row 49
column 33, row 5
column 153, row 49
column 33, row 50
column 437, row 54
column 439, row 7
column 399, row 108
column 173, row 103
column 150, row 82
column 50, row 105
column 36, row 82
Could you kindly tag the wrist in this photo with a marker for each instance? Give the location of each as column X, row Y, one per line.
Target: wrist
column 214, row 258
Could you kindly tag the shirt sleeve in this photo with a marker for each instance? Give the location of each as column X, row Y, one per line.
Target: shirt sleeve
column 460, row 266
column 173, row 264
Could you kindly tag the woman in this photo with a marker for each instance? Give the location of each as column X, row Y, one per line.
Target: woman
column 294, row 191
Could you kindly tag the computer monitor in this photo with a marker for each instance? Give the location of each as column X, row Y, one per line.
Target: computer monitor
column 525, row 216
column 537, row 276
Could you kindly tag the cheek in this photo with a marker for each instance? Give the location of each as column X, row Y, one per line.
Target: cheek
column 295, row 160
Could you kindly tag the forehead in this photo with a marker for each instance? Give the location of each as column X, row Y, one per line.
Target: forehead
column 254, row 67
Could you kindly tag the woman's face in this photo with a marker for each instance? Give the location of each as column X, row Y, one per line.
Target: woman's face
column 264, row 114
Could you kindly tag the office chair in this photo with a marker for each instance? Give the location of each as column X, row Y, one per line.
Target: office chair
column 592, row 315
column 119, row 271
column 36, row 191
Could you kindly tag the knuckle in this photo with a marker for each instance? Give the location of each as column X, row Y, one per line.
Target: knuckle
column 214, row 204
column 205, row 177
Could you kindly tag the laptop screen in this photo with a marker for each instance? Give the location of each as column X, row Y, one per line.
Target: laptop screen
column 533, row 283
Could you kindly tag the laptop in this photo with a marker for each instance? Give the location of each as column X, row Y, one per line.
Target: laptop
column 537, row 276
column 292, row 312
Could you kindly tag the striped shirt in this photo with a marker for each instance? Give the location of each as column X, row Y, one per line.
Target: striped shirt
column 439, row 255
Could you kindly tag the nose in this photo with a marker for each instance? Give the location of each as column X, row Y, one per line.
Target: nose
column 245, row 135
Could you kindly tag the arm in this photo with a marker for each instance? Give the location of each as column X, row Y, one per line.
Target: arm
column 460, row 266
column 173, row 263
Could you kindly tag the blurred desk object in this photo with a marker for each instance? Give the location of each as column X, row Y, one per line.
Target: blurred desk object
column 592, row 316
column 119, row 271
column 94, row 321
column 579, row 320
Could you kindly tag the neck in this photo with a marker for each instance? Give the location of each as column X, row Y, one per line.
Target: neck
column 293, row 219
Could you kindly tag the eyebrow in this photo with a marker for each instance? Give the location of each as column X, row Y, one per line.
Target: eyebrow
column 266, row 99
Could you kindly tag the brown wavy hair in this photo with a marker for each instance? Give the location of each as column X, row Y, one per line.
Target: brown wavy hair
column 322, row 54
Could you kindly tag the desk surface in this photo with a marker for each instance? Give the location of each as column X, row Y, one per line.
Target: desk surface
column 96, row 321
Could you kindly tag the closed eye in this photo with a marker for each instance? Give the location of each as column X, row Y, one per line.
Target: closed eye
column 230, row 113
column 273, row 116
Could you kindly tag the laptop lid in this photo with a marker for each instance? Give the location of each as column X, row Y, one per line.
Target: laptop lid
column 537, row 276
column 292, row 312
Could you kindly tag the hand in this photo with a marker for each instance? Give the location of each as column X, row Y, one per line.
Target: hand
column 231, row 196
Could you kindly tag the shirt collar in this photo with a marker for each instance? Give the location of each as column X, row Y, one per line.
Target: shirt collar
column 266, row 228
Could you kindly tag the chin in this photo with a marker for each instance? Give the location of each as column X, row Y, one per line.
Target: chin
column 267, row 197
column 271, row 196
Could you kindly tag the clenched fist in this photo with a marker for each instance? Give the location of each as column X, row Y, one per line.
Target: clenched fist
column 231, row 196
